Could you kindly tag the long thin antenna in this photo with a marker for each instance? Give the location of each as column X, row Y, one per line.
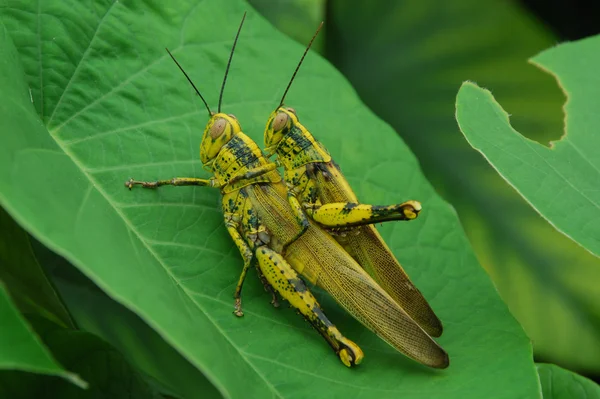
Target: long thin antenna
column 229, row 62
column 192, row 83
column 300, row 63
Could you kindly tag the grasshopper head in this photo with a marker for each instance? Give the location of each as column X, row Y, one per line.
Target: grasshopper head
column 218, row 131
column 279, row 124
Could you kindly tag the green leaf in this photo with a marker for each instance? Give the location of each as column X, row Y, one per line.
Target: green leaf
column 407, row 64
column 113, row 105
column 22, row 349
column 100, row 365
column 143, row 347
column 560, row 182
column 107, row 372
column 23, row 276
column 558, row 383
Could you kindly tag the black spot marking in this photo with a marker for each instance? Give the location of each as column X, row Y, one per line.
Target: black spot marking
column 348, row 208
column 241, row 151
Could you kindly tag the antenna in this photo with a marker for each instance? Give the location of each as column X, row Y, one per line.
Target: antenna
column 229, row 62
column 192, row 83
column 300, row 63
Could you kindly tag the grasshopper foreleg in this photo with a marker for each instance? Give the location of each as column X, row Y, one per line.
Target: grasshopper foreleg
column 340, row 215
column 254, row 172
column 299, row 215
column 288, row 284
column 176, row 181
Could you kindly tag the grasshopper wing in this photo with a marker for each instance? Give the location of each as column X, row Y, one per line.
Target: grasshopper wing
column 371, row 252
column 321, row 260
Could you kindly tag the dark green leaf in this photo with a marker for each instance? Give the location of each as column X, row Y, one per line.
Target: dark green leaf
column 107, row 372
column 100, row 365
column 22, row 349
column 143, row 347
column 23, row 276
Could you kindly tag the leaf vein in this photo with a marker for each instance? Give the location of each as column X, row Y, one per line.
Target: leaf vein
column 83, row 57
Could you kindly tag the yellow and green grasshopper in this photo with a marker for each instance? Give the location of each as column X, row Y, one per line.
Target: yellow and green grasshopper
column 317, row 182
column 270, row 229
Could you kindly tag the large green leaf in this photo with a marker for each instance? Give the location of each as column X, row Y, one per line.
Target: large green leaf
column 113, row 105
column 22, row 350
column 560, row 182
column 407, row 64
column 558, row 383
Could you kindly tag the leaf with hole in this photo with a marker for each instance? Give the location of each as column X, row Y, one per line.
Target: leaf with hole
column 560, row 182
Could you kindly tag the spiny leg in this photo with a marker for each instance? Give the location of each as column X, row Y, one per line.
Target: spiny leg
column 176, row 181
column 340, row 214
column 268, row 287
column 257, row 235
column 288, row 284
column 248, row 255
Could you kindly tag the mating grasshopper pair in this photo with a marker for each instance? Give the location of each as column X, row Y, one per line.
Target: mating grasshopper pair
column 311, row 225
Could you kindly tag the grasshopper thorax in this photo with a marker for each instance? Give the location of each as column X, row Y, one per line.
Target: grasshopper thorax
column 292, row 142
column 219, row 130
column 279, row 124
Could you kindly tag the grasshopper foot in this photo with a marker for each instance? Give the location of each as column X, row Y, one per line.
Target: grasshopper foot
column 238, row 307
column 350, row 354
column 129, row 183
column 146, row 184
column 275, row 301
column 411, row 209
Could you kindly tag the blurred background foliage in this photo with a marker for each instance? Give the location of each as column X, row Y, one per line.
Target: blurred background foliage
column 407, row 59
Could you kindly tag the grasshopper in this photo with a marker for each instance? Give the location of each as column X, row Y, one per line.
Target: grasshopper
column 316, row 180
column 270, row 229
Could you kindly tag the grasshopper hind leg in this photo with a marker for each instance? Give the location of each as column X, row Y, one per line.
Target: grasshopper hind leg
column 348, row 214
column 288, row 284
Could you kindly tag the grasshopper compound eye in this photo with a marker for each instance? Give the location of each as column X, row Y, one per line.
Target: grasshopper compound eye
column 292, row 110
column 280, row 121
column 218, row 128
column 232, row 116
